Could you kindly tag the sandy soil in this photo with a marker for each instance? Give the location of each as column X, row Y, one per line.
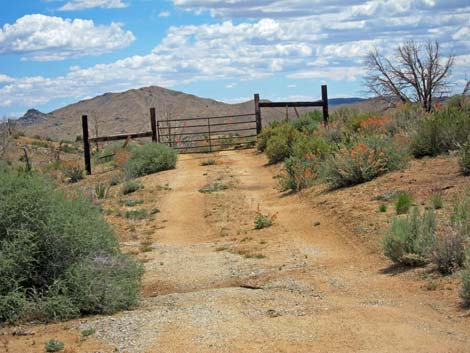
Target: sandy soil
column 305, row 284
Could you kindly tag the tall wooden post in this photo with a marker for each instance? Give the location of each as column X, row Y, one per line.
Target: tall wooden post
column 86, row 144
column 258, row 115
column 153, row 124
column 324, row 98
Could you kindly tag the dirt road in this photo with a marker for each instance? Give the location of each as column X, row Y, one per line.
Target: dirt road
column 214, row 284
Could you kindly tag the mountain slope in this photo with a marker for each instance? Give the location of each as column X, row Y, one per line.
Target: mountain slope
column 115, row 113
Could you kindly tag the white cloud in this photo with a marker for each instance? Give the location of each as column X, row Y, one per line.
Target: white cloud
column 46, row 38
column 6, row 78
column 164, row 14
column 321, row 43
column 89, row 4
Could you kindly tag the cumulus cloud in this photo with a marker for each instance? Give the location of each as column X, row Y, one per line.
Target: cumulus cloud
column 46, row 38
column 88, row 4
column 322, row 43
column 6, row 78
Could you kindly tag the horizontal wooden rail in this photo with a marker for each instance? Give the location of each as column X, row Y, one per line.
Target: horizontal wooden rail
column 208, row 117
column 121, row 137
column 290, row 104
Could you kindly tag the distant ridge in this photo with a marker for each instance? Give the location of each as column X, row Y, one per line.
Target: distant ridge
column 116, row 113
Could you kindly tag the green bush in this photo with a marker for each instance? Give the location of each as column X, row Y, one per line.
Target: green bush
column 449, row 252
column 308, row 122
column 111, row 283
column 464, row 158
column 53, row 346
column 443, row 131
column 364, row 159
column 149, row 158
column 280, row 144
column 130, row 187
column 460, row 218
column 403, row 203
column 73, row 171
column 266, row 133
column 263, row 221
column 410, row 240
column 465, row 291
column 136, row 215
column 383, row 208
column 44, row 239
column 436, row 201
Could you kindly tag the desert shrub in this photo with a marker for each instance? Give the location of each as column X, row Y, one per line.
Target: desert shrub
column 383, row 208
column 298, row 173
column 464, row 158
column 308, row 122
column 131, row 186
column 356, row 120
column 136, row 215
column 301, row 168
column 403, row 202
column 263, row 221
column 410, row 240
column 364, row 159
column 465, row 290
column 265, row 135
column 442, row 131
column 460, row 218
column 449, row 252
column 214, row 187
column 280, row 144
column 103, row 283
column 72, row 170
column 43, row 236
column 101, row 190
column 208, row 162
column 436, row 201
column 53, row 346
column 149, row 158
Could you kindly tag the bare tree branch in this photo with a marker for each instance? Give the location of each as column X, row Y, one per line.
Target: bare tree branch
column 418, row 74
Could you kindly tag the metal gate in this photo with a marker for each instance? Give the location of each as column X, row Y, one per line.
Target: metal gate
column 209, row 134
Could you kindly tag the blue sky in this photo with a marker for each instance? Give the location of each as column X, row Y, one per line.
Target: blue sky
column 56, row 52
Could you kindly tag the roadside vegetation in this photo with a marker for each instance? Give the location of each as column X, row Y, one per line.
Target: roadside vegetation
column 58, row 257
column 357, row 147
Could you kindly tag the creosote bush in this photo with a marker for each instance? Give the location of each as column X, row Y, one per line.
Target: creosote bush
column 464, row 158
column 365, row 158
column 73, row 171
column 149, row 158
column 440, row 132
column 449, row 252
column 403, row 203
column 58, row 257
column 465, row 290
column 131, row 186
column 410, row 240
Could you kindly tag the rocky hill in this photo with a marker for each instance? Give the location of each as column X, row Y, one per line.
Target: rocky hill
column 115, row 113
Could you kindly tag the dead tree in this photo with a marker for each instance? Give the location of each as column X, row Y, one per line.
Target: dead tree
column 417, row 75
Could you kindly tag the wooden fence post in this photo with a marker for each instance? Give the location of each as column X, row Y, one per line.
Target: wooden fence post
column 153, row 124
column 86, row 144
column 324, row 98
column 258, row 114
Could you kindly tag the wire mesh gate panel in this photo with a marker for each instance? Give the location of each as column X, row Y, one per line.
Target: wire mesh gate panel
column 208, row 134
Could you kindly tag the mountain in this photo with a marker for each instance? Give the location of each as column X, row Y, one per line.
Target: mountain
column 33, row 117
column 127, row 112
